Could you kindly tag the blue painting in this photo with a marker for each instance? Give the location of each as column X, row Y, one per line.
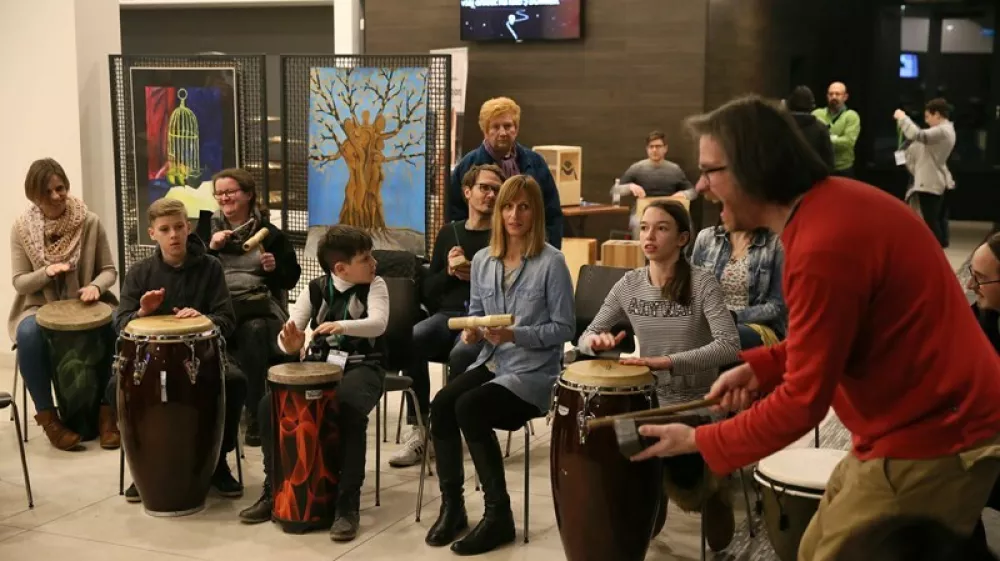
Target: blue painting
column 367, row 163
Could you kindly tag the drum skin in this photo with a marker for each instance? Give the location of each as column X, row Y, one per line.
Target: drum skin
column 172, row 445
column 306, row 455
column 606, row 506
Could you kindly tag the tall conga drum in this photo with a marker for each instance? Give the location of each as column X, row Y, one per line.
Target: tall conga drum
column 306, row 460
column 171, row 406
column 606, row 505
column 792, row 483
column 79, row 342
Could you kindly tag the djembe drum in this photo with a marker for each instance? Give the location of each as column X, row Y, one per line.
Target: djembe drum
column 306, row 457
column 606, row 505
column 79, row 342
column 171, row 406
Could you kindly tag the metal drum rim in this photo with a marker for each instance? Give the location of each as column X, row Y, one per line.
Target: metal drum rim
column 788, row 488
column 188, row 337
column 606, row 390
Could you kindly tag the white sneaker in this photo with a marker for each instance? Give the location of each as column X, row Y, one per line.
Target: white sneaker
column 412, row 451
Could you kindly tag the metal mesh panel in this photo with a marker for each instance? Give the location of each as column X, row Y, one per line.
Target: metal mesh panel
column 295, row 118
column 251, row 128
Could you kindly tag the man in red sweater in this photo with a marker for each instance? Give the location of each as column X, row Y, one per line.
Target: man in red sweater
column 879, row 328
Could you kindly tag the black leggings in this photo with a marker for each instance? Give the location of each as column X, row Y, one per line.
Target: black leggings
column 471, row 406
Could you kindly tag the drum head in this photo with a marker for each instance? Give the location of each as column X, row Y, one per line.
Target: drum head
column 73, row 315
column 305, row 373
column 608, row 374
column 802, row 468
column 168, row 325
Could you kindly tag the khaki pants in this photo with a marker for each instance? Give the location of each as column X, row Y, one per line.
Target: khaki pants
column 953, row 489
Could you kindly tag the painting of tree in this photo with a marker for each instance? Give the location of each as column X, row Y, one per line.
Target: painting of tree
column 367, row 164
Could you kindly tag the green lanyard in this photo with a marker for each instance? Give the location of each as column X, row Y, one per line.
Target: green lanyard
column 899, row 138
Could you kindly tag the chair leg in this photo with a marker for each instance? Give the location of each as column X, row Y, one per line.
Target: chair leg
column 704, row 540
column 379, row 410
column 527, row 478
column 746, row 497
column 13, row 390
column 424, row 463
column 121, row 470
column 509, row 435
column 817, row 436
column 24, row 407
column 531, row 428
column 385, row 412
column 420, row 425
column 24, row 461
column 399, row 421
column 239, row 461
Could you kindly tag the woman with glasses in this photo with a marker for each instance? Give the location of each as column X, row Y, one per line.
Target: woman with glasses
column 257, row 280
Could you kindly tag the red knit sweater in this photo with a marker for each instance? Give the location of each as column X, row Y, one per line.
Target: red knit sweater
column 878, row 327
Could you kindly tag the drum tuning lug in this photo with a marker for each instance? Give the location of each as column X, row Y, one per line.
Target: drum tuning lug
column 192, row 364
column 117, row 364
column 140, row 369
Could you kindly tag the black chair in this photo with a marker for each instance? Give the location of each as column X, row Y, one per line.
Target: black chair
column 592, row 287
column 13, row 394
column 6, row 400
column 404, row 309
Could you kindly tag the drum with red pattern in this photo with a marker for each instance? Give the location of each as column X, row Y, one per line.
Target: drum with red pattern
column 307, row 444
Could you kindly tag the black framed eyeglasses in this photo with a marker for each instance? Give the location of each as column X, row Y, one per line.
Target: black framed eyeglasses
column 488, row 188
column 974, row 280
column 707, row 173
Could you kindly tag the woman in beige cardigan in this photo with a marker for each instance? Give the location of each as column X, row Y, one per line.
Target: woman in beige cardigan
column 58, row 251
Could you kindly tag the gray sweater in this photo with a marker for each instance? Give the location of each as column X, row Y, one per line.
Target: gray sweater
column 927, row 155
column 659, row 179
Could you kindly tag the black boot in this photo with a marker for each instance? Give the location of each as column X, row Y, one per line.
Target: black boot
column 497, row 526
column 261, row 510
column 452, row 519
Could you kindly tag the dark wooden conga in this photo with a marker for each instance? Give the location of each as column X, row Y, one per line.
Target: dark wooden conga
column 79, row 342
column 171, row 405
column 606, row 505
column 307, row 444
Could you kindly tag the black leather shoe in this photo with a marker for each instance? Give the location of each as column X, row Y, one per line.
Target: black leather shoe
column 345, row 527
column 494, row 530
column 451, row 521
column 132, row 494
column 497, row 526
column 224, row 482
column 261, row 510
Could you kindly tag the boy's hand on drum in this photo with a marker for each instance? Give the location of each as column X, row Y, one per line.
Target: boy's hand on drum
column 329, row 328
column 499, row 335
column 219, row 239
column 151, row 301
column 292, row 338
column 471, row 335
column 651, row 362
column 735, row 389
column 605, row 341
column 182, row 313
column 675, row 439
column 58, row 269
column 89, row 293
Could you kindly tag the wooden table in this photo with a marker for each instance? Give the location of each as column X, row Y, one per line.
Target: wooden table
column 576, row 218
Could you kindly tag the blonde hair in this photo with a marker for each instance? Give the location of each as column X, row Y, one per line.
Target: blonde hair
column 166, row 207
column 36, row 181
column 495, row 107
column 536, row 235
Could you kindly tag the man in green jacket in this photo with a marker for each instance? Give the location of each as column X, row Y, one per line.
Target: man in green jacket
column 845, row 126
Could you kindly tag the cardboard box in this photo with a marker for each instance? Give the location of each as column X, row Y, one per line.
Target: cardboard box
column 566, row 165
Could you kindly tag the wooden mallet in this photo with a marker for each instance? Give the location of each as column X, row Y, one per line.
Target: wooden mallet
column 503, row 320
column 255, row 239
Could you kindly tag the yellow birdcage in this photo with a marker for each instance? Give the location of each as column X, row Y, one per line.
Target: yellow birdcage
column 183, row 152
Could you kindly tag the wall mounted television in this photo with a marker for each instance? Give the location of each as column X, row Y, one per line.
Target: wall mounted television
column 909, row 65
column 521, row 20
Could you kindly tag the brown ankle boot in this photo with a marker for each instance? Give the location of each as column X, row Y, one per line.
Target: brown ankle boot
column 60, row 436
column 111, row 439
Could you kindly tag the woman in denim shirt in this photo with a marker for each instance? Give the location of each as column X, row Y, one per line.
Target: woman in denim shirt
column 511, row 381
column 748, row 266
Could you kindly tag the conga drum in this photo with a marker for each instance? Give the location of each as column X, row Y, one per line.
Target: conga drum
column 792, row 484
column 306, row 454
column 79, row 343
column 606, row 505
column 171, row 405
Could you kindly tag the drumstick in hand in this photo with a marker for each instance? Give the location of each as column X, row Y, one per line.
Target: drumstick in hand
column 652, row 413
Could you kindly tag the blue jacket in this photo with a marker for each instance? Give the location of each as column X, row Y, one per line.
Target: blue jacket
column 767, row 258
column 541, row 300
column 530, row 163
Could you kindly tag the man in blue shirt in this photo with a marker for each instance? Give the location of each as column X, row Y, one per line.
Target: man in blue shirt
column 500, row 120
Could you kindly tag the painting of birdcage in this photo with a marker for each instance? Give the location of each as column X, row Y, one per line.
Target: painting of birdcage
column 367, row 162
column 187, row 130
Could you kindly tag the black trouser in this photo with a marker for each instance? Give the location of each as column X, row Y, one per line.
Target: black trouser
column 935, row 214
column 432, row 339
column 846, row 172
column 253, row 345
column 236, row 393
column 357, row 394
column 470, row 406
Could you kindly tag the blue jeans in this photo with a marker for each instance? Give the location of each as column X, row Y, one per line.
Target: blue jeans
column 432, row 340
column 35, row 364
column 748, row 337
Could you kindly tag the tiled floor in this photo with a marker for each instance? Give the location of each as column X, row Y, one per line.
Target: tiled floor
column 79, row 516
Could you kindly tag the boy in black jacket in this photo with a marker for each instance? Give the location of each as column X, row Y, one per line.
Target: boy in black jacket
column 350, row 304
column 180, row 279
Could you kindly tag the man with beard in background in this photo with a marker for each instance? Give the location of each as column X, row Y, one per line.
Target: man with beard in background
column 845, row 127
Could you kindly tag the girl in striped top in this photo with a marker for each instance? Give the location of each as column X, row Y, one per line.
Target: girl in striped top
column 678, row 312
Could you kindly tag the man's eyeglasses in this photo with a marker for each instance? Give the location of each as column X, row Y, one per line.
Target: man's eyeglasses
column 974, row 280
column 488, row 188
column 226, row 194
column 707, row 173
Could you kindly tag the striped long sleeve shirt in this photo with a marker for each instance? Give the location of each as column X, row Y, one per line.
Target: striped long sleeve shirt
column 698, row 338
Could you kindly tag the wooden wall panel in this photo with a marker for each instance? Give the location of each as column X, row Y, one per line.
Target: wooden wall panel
column 639, row 67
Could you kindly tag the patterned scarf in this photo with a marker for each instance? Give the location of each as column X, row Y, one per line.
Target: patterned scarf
column 48, row 242
column 508, row 163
